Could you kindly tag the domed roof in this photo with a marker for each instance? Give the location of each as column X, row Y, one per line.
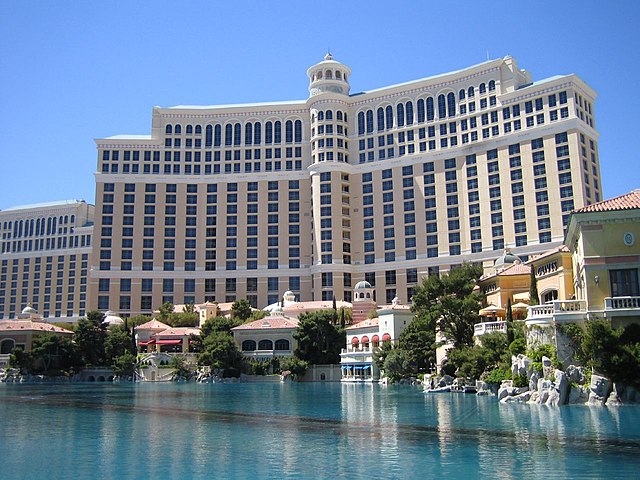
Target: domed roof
column 363, row 284
column 110, row 318
column 288, row 293
column 28, row 310
column 507, row 258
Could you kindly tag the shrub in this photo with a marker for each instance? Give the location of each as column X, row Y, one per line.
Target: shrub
column 497, row 375
column 518, row 346
column 520, row 381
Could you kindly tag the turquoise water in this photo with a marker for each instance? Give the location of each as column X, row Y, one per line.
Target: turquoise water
column 274, row 431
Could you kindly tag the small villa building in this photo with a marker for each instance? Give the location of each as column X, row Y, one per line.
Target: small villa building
column 267, row 338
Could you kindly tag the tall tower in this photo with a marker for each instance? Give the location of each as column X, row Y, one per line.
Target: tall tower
column 329, row 170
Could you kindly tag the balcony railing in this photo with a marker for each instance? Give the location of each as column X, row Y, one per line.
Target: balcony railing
column 558, row 310
column 621, row 303
column 361, row 348
column 489, row 327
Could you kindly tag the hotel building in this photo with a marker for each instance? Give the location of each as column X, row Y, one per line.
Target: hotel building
column 44, row 259
column 247, row 201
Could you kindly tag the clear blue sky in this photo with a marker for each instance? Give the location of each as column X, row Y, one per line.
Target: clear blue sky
column 77, row 70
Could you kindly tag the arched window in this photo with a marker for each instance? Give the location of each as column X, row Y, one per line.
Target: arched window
column 386, row 337
column 338, row 76
column 48, row 226
column 319, row 74
column 420, row 110
column 297, row 131
column 492, row 85
column 400, row 114
column 451, row 104
column 228, row 134
column 328, row 115
column 430, row 109
column 277, row 132
column 369, row 121
column 265, row 345
column 461, row 94
column 442, row 106
column 248, row 346
column 389, row 114
column 408, row 107
column 339, row 115
column 288, row 131
column 320, row 115
column 549, row 296
column 189, row 129
column 168, row 129
column 54, row 227
column 268, row 133
column 237, row 134
column 380, row 119
column 482, row 88
column 73, row 218
column 257, row 133
column 282, row 344
column 471, row 92
column 248, row 133
column 360, row 123
column 198, row 129
column 37, row 227
column 327, row 74
column 217, row 136
column 177, row 130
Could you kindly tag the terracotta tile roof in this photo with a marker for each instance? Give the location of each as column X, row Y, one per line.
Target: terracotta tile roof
column 28, row 325
column 315, row 305
column 153, row 325
column 628, row 201
column 178, row 332
column 369, row 322
column 516, row 269
column 271, row 322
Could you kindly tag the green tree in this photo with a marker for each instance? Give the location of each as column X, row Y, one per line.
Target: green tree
column 241, row 310
column 396, row 364
column 450, row 303
column 51, row 350
column 319, row 339
column 534, row 298
column 165, row 311
column 294, row 365
column 117, row 343
column 90, row 338
column 218, row 324
column 509, row 322
column 220, row 351
column 418, row 342
column 181, row 368
column 124, row 365
column 380, row 354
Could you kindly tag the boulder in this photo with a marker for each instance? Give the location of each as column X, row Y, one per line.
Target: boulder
column 598, row 390
column 575, row 374
column 553, row 399
column 445, row 380
column 535, row 397
column 520, row 364
column 578, row 395
column 533, row 381
column 521, row 398
column 562, row 386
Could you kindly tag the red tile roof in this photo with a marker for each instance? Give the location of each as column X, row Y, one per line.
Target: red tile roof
column 271, row 322
column 153, row 325
column 178, row 332
column 369, row 322
column 28, row 325
column 628, row 201
column 516, row 269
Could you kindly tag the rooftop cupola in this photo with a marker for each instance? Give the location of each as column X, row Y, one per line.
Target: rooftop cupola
column 328, row 76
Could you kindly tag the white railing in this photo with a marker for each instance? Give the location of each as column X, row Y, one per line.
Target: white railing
column 4, row 360
column 359, row 349
column 557, row 307
column 621, row 303
column 489, row 327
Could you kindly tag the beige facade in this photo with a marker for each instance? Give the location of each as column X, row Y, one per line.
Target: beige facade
column 45, row 259
column 246, row 201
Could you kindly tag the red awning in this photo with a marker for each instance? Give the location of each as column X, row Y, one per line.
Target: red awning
column 375, row 339
column 169, row 342
column 386, row 337
column 365, row 339
column 147, row 343
column 355, row 341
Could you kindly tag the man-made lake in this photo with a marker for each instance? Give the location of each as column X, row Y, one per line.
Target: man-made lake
column 301, row 431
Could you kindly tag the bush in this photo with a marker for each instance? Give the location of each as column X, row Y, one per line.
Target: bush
column 497, row 375
column 520, row 381
column 518, row 346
